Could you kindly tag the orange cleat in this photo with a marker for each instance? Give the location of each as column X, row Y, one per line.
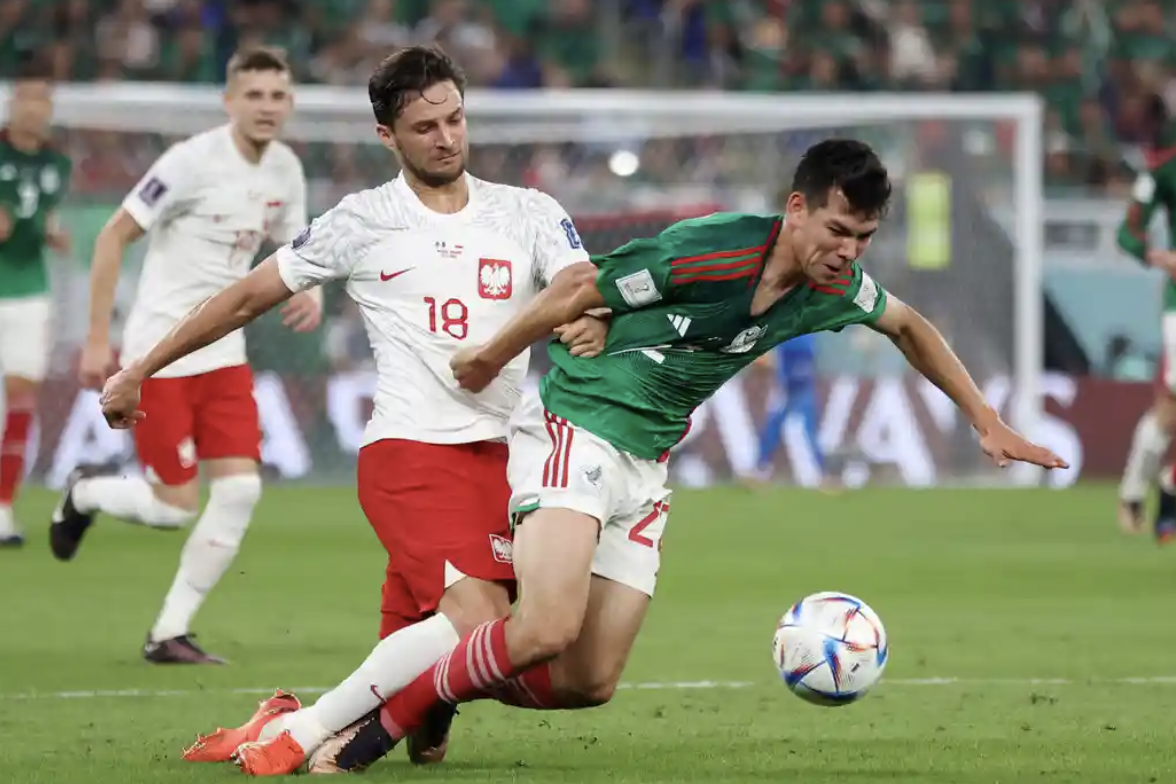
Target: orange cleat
column 280, row 756
column 220, row 746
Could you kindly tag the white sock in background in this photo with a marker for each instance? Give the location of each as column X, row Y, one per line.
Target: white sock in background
column 1148, row 447
column 210, row 549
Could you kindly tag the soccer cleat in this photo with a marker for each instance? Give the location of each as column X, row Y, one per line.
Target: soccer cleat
column 1131, row 516
column 279, row 756
column 353, row 749
column 427, row 746
column 178, row 650
column 68, row 525
column 220, row 746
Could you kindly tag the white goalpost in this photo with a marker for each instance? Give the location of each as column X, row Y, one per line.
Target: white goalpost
column 963, row 242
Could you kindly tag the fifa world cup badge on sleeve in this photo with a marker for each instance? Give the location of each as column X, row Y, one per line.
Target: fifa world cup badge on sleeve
column 573, row 236
column 638, row 289
column 301, row 239
column 867, row 296
column 152, row 191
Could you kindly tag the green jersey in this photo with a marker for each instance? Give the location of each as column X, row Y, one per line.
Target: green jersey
column 1154, row 188
column 31, row 187
column 682, row 327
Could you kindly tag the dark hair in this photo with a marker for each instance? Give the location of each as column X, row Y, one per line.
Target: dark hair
column 31, row 67
column 405, row 74
column 257, row 58
column 849, row 166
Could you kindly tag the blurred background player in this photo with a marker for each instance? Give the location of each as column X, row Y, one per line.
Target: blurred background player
column 1154, row 188
column 435, row 259
column 34, row 177
column 207, row 205
column 793, row 365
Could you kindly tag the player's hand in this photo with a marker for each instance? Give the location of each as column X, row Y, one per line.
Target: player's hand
column 120, row 401
column 5, row 224
column 96, row 365
column 472, row 370
column 1005, row 445
column 303, row 312
column 584, row 337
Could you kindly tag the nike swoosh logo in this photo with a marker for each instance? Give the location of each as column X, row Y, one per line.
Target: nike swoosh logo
column 386, row 276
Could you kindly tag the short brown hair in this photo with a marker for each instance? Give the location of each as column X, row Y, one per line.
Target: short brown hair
column 257, row 58
column 405, row 74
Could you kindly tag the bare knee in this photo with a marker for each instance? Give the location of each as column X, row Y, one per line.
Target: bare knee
column 543, row 636
column 586, row 690
column 470, row 602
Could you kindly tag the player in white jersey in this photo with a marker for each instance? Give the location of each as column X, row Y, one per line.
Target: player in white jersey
column 435, row 259
column 206, row 206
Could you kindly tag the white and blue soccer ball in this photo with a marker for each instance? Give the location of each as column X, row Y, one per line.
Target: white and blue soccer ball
column 830, row 648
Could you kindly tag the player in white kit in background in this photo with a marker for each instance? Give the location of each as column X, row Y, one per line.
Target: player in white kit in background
column 206, row 206
column 436, row 259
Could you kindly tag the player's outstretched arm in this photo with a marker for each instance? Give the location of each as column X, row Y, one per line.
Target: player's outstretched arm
column 572, row 293
column 231, row 309
column 927, row 352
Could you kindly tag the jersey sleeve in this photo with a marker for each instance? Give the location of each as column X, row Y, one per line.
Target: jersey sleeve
column 294, row 213
column 862, row 301
column 557, row 244
column 1152, row 189
column 165, row 189
column 327, row 249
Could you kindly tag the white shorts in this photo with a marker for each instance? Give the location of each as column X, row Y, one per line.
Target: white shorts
column 554, row 464
column 25, row 337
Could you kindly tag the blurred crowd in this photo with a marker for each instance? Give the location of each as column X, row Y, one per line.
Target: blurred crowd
column 1100, row 64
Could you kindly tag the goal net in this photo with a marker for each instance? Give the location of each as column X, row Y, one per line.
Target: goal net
column 961, row 243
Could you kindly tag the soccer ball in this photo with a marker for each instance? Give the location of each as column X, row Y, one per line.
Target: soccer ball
column 830, row 648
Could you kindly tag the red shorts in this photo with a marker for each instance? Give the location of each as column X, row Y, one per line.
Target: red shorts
column 435, row 506
column 192, row 418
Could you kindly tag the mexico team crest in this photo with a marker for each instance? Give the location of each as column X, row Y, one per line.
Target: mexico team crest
column 494, row 279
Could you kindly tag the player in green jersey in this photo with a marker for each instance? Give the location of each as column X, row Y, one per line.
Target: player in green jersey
column 690, row 309
column 1155, row 188
column 33, row 179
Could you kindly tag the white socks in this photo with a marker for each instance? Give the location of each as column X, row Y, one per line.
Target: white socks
column 393, row 664
column 1148, row 447
column 129, row 498
column 211, row 547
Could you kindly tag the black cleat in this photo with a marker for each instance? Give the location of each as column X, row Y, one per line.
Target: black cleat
column 353, row 749
column 11, row 541
column 68, row 525
column 178, row 650
column 427, row 746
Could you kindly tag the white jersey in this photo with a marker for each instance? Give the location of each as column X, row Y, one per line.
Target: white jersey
column 429, row 284
column 206, row 211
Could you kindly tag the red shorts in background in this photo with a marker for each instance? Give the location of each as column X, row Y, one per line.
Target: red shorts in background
column 192, row 418
column 432, row 505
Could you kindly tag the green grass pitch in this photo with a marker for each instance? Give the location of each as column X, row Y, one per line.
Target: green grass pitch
column 1031, row 601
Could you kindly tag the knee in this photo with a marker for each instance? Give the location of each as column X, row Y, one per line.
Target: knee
column 231, row 500
column 584, row 687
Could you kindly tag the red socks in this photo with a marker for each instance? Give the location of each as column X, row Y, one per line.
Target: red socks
column 478, row 666
column 17, row 426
